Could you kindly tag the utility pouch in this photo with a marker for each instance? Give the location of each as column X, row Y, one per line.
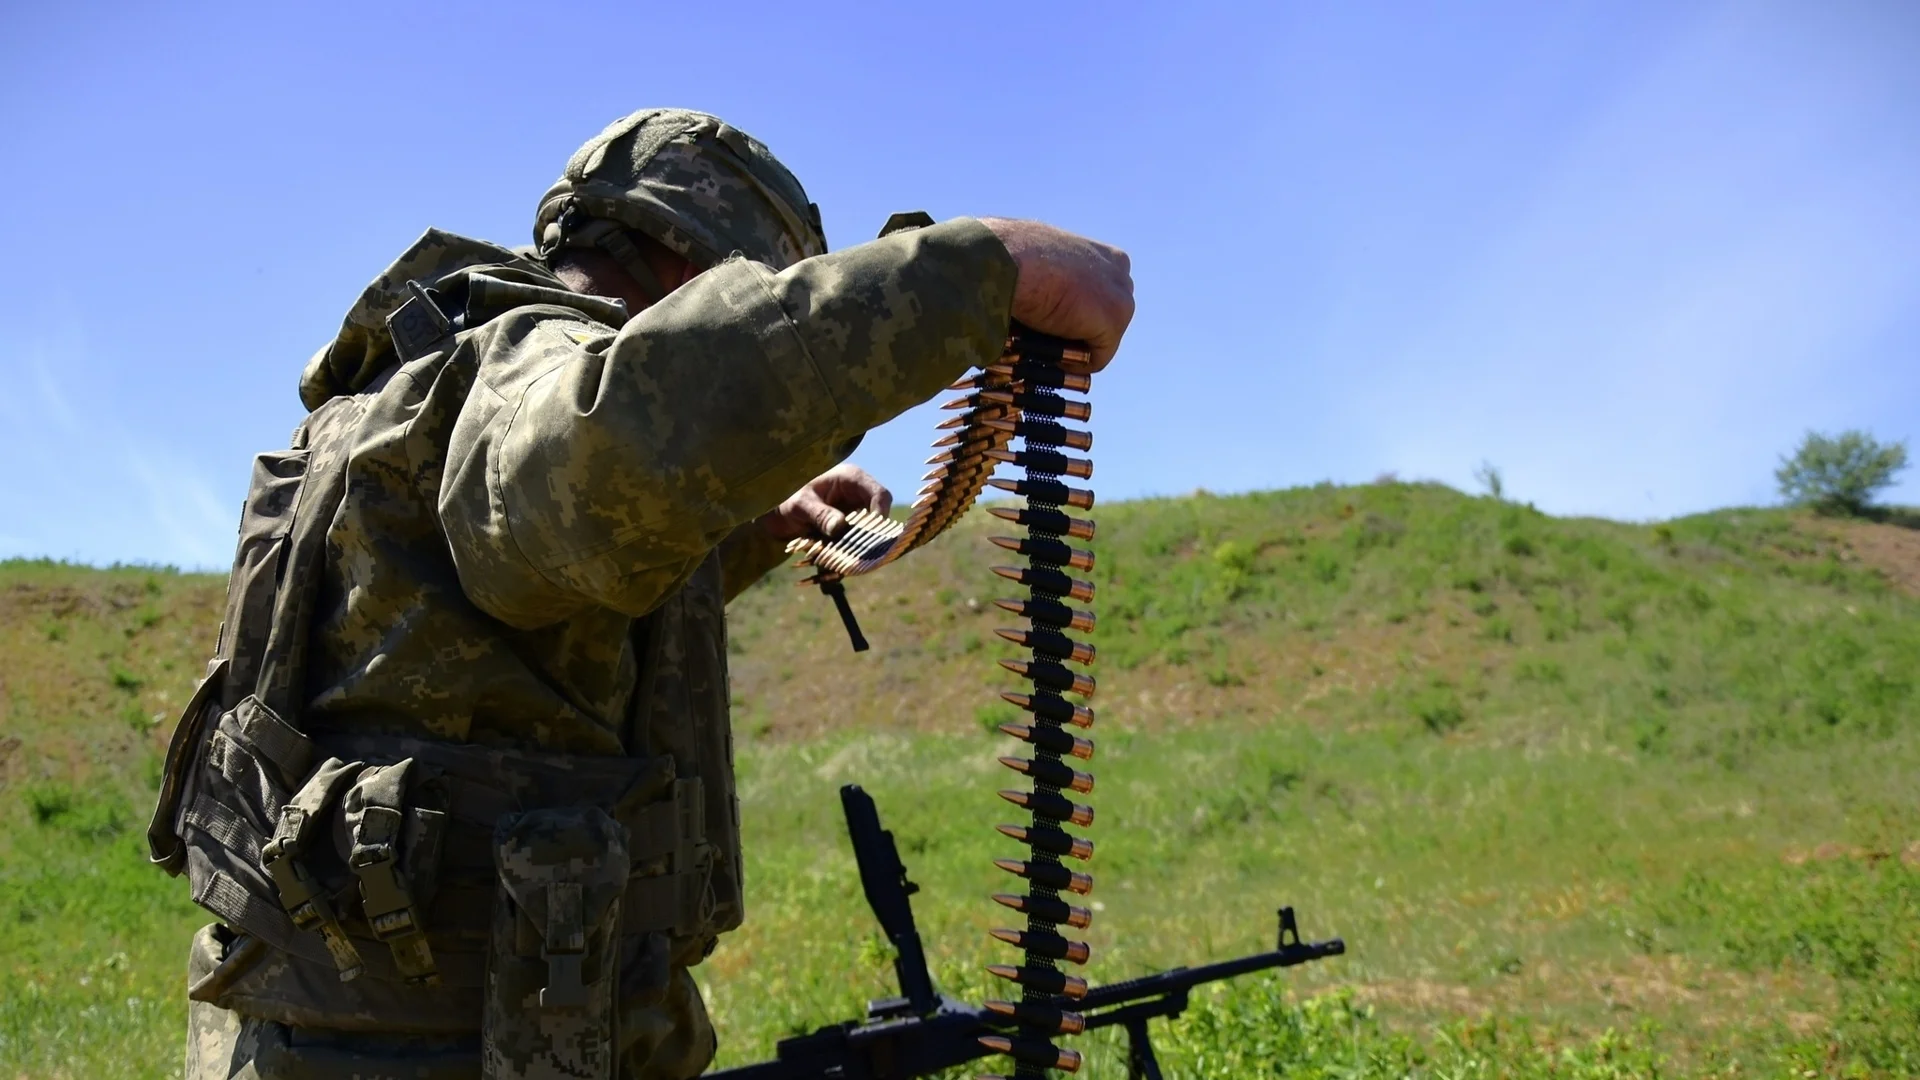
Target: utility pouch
column 552, row 961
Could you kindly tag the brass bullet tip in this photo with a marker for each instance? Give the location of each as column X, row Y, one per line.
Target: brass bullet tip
column 1062, row 1022
column 1056, row 909
column 1011, row 937
column 1052, row 805
column 1007, row 543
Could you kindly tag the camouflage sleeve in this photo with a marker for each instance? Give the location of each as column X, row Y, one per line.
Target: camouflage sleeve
column 747, row 555
column 593, row 467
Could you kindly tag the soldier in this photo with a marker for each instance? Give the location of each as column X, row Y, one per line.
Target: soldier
column 459, row 784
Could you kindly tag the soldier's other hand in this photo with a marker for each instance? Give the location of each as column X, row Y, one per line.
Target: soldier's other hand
column 1069, row 286
column 820, row 509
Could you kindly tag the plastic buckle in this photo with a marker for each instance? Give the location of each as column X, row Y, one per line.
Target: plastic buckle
column 565, row 947
column 295, row 888
column 309, row 909
column 383, row 898
column 388, row 905
column 418, row 324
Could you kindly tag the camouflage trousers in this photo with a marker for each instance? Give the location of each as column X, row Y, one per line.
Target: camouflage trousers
column 673, row 1040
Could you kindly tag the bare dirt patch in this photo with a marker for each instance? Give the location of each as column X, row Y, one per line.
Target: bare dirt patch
column 1893, row 550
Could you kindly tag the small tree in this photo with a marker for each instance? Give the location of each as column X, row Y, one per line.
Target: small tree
column 1839, row 475
column 1489, row 477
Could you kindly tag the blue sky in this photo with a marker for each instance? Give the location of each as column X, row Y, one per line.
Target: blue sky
column 1628, row 253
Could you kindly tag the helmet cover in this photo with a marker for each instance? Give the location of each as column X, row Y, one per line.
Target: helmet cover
column 699, row 186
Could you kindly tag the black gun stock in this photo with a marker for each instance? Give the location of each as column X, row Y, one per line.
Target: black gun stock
column 924, row 1031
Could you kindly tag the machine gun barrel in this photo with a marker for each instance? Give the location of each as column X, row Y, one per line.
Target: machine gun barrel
column 1182, row 979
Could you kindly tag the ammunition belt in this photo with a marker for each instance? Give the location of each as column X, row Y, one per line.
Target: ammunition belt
column 1024, row 396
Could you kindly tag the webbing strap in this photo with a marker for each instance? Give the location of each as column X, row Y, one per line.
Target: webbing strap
column 565, row 946
column 239, row 908
column 611, row 238
column 163, row 837
column 671, row 826
column 228, row 828
column 221, row 894
column 290, row 751
column 305, row 902
column 376, row 815
column 683, row 899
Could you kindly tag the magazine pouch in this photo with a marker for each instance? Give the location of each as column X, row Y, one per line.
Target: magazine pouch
column 552, row 956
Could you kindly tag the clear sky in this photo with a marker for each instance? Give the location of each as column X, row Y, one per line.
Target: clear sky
column 1628, row 253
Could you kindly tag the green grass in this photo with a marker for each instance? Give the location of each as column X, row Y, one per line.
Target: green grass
column 1585, row 799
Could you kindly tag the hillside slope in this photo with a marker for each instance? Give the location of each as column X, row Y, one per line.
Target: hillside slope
column 1370, row 605
column 1575, row 791
column 1384, row 605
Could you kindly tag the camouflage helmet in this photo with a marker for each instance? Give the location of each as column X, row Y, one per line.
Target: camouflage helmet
column 702, row 187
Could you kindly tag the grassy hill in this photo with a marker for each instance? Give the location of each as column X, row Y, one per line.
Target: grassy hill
column 1584, row 798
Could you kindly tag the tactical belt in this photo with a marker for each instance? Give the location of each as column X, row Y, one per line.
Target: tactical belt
column 430, row 930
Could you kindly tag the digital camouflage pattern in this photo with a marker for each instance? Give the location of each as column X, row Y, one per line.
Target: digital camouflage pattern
column 542, row 516
column 693, row 182
column 514, row 503
column 551, row 968
column 669, row 1041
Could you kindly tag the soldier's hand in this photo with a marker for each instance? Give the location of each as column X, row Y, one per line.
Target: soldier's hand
column 1069, row 286
column 820, row 509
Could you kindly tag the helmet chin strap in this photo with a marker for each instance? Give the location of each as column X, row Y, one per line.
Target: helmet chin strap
column 611, row 238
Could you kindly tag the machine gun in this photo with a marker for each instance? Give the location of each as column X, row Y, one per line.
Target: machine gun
column 923, row 1031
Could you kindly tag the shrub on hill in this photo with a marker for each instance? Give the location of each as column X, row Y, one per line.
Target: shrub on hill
column 1839, row 474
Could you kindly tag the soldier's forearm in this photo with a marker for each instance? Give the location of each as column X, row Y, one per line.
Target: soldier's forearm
column 748, row 554
column 597, row 467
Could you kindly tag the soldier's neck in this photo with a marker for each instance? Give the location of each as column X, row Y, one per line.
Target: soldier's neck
column 595, row 274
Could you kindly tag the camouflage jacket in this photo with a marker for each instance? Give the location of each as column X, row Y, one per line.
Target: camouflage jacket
column 514, row 504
